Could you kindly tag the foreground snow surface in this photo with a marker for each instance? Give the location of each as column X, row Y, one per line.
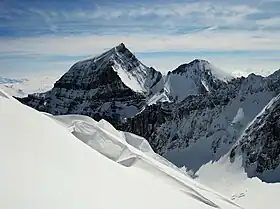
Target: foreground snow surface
column 44, row 164
column 230, row 179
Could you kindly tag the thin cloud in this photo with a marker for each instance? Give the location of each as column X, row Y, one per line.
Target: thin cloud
column 53, row 28
column 132, row 17
column 93, row 44
column 270, row 23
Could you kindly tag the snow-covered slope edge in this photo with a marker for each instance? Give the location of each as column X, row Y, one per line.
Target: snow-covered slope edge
column 249, row 171
column 43, row 165
column 230, row 178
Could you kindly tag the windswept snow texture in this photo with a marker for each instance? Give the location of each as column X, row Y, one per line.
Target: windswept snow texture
column 43, row 165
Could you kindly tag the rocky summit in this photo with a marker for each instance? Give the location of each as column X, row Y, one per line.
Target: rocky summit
column 195, row 114
column 113, row 86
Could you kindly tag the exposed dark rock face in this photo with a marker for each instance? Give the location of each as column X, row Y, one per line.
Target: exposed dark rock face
column 146, row 122
column 200, row 117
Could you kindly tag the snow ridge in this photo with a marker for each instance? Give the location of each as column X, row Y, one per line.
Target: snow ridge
column 45, row 164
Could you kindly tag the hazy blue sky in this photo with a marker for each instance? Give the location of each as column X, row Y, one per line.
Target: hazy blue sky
column 38, row 36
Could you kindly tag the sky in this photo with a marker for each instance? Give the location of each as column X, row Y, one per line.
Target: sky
column 46, row 37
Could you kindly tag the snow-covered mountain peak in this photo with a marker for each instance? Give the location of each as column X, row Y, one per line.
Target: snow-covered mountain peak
column 199, row 66
column 118, row 50
column 119, row 60
column 201, row 61
column 113, row 85
column 274, row 76
column 196, row 77
column 253, row 83
column 121, row 46
column 253, row 76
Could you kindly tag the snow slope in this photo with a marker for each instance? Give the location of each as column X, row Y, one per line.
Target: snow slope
column 233, row 168
column 230, row 179
column 259, row 144
column 139, row 77
column 43, row 165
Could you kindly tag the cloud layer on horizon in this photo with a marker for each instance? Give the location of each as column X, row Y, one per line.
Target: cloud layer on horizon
column 52, row 34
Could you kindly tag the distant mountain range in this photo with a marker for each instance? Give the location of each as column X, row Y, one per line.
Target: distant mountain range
column 195, row 114
column 10, row 80
column 21, row 87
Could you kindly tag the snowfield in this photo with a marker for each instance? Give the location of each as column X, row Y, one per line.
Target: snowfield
column 46, row 163
column 231, row 180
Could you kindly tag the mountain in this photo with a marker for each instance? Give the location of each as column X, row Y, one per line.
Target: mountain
column 203, row 128
column 114, row 85
column 120, row 65
column 75, row 162
column 23, row 86
column 196, row 77
column 194, row 115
